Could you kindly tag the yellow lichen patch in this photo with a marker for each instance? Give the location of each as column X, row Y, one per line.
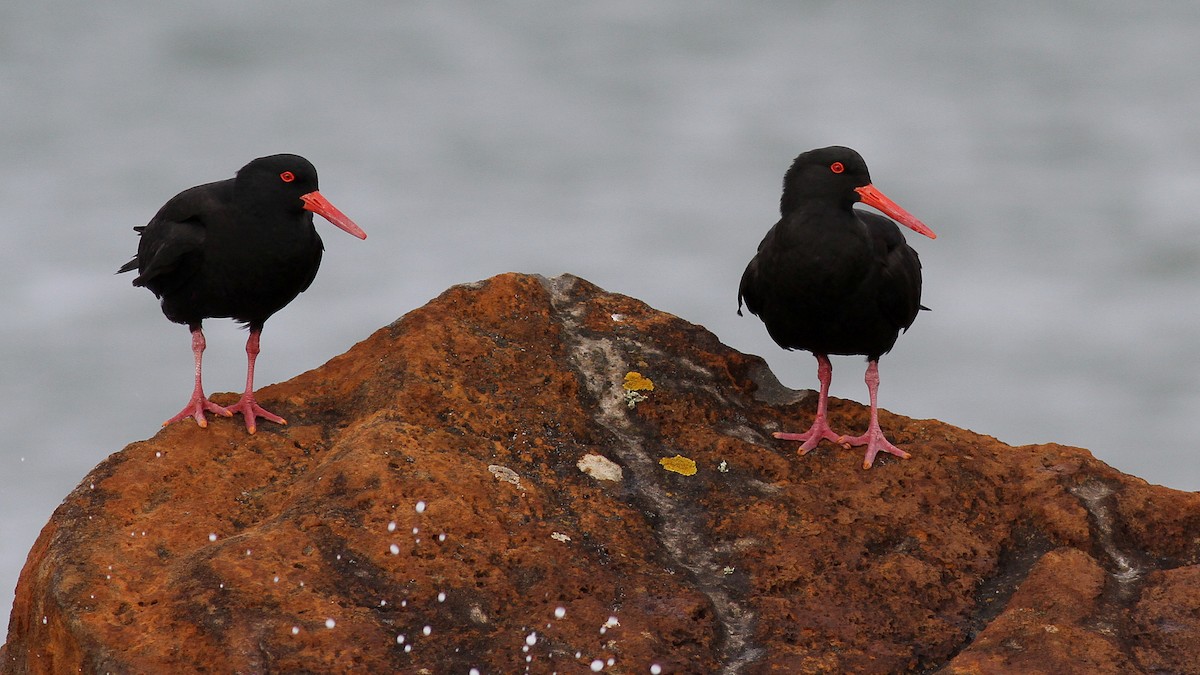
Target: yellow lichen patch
column 635, row 381
column 679, row 464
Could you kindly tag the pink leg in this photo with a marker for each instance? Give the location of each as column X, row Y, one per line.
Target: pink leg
column 874, row 439
column 246, row 404
column 199, row 403
column 819, row 430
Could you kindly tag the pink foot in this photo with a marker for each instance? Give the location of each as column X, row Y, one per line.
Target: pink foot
column 246, row 405
column 199, row 404
column 251, row 410
column 196, row 409
column 819, row 431
column 876, row 443
column 874, row 439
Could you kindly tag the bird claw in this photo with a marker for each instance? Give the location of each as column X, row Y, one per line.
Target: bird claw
column 251, row 410
column 196, row 409
column 818, row 432
column 876, row 443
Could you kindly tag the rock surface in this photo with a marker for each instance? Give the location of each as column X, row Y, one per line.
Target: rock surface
column 480, row 485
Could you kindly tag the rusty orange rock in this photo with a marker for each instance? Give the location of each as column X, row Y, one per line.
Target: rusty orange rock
column 427, row 509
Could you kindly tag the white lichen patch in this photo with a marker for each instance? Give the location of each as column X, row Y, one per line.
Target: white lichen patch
column 600, row 467
column 505, row 474
column 632, row 398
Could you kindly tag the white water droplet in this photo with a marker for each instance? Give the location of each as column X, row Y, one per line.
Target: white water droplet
column 420, row 507
column 407, row 648
column 330, row 623
column 427, row 630
column 441, row 597
column 158, row 453
column 45, row 620
column 531, row 639
column 212, row 536
column 560, row 612
column 597, row 666
column 392, row 526
column 295, row 630
column 655, row 669
column 441, row 537
column 276, row 579
column 474, row 671
column 394, row 549
column 416, row 530
column 399, row 639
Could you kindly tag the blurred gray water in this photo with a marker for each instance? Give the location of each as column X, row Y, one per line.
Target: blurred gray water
column 1054, row 147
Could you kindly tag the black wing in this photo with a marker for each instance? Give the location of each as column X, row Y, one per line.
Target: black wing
column 748, row 288
column 316, row 264
column 171, row 248
column 900, row 271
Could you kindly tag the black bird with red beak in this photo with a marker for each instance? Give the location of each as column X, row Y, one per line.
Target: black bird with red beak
column 241, row 248
column 833, row 279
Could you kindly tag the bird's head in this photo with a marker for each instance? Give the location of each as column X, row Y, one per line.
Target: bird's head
column 839, row 174
column 289, row 182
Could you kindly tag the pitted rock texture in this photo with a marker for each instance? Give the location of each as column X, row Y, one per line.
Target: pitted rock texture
column 475, row 486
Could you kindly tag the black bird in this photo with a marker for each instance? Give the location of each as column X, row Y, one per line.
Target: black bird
column 241, row 248
column 832, row 279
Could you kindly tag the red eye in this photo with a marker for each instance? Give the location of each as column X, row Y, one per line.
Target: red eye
column 288, row 176
column 837, row 167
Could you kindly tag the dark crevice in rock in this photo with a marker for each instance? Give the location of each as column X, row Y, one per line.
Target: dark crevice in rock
column 682, row 531
column 1017, row 557
column 1127, row 567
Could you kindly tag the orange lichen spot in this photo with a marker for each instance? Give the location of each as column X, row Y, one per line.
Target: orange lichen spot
column 635, row 381
column 679, row 464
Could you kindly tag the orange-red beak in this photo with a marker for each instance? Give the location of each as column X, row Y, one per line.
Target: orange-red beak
column 873, row 197
column 316, row 202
